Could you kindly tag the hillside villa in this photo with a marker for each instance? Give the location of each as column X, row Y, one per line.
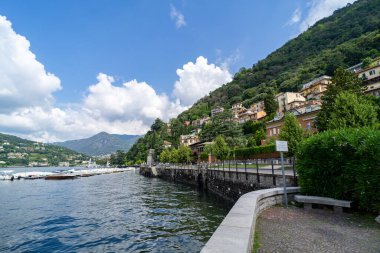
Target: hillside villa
column 304, row 104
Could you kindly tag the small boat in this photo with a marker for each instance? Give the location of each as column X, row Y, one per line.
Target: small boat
column 32, row 176
column 86, row 175
column 6, row 175
column 60, row 177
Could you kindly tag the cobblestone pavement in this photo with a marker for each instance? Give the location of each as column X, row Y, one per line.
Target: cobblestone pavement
column 298, row 230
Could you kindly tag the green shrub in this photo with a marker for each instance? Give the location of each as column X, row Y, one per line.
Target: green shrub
column 246, row 153
column 204, row 156
column 342, row 164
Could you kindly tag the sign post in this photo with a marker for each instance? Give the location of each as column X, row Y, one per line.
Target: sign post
column 282, row 146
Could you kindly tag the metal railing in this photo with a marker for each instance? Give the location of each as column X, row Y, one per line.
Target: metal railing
column 259, row 167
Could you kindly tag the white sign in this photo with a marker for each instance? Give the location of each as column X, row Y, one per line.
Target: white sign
column 282, row 146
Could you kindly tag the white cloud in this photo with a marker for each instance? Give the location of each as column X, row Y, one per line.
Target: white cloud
column 296, row 17
column 198, row 79
column 132, row 99
column 177, row 16
column 55, row 124
column 126, row 109
column 27, row 107
column 23, row 80
column 320, row 9
column 227, row 62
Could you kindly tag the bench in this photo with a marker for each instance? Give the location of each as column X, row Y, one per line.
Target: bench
column 309, row 200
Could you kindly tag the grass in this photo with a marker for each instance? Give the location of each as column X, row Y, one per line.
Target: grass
column 365, row 219
column 256, row 242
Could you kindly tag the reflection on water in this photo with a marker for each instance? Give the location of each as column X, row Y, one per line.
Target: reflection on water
column 115, row 212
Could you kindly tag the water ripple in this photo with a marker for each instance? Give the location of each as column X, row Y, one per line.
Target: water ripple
column 107, row 213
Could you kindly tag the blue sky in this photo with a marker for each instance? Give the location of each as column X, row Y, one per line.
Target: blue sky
column 106, row 54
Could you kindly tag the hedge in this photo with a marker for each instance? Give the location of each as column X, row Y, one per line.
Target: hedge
column 245, row 153
column 342, row 164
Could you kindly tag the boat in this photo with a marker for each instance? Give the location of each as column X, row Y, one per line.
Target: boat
column 60, row 177
column 33, row 176
column 86, row 175
column 6, row 175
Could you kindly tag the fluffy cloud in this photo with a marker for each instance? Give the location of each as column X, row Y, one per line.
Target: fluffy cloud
column 320, row 9
column 129, row 108
column 27, row 107
column 198, row 79
column 56, row 124
column 131, row 100
column 24, row 81
column 177, row 16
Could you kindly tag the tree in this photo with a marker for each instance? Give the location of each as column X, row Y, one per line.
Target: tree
column 259, row 136
column 236, row 141
column 221, row 124
column 157, row 125
column 367, row 61
column 174, row 157
column 165, row 156
column 184, row 154
column 221, row 150
column 209, row 149
column 119, row 158
column 291, row 132
column 342, row 81
column 270, row 104
column 351, row 110
column 250, row 127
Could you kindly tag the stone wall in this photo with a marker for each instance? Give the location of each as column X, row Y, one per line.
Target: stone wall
column 236, row 232
column 228, row 184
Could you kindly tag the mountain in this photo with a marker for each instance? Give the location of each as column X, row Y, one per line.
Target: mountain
column 15, row 151
column 101, row 144
column 343, row 39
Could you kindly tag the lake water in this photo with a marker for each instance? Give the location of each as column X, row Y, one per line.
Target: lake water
column 122, row 212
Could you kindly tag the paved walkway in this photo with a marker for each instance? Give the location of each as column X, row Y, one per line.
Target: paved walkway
column 297, row 230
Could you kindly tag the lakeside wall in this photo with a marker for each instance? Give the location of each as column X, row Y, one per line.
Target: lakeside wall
column 230, row 185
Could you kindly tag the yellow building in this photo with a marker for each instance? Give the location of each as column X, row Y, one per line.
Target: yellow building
column 285, row 99
column 314, row 90
column 371, row 78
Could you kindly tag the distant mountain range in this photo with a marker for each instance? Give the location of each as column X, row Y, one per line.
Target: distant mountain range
column 15, row 151
column 101, row 144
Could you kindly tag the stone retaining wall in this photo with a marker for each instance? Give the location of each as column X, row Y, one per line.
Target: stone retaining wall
column 236, row 232
column 230, row 185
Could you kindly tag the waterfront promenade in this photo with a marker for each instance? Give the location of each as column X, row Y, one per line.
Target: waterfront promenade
column 299, row 230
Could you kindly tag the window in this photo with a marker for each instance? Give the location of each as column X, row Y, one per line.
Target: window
column 274, row 130
column 308, row 126
column 270, row 132
column 278, row 131
column 372, row 72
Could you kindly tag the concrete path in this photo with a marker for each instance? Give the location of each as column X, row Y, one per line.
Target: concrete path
column 264, row 169
column 268, row 170
column 297, row 230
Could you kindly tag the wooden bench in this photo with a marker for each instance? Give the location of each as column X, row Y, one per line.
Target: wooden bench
column 309, row 200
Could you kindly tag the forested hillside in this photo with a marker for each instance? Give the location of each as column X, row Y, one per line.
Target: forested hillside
column 344, row 39
column 15, row 151
column 341, row 40
column 101, row 144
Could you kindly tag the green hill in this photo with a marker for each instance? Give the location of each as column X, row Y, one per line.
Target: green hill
column 101, row 144
column 344, row 39
column 15, row 151
column 341, row 40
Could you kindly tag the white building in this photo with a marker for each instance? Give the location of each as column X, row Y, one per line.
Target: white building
column 285, row 99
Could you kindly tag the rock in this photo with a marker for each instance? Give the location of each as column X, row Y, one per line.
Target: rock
column 377, row 219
